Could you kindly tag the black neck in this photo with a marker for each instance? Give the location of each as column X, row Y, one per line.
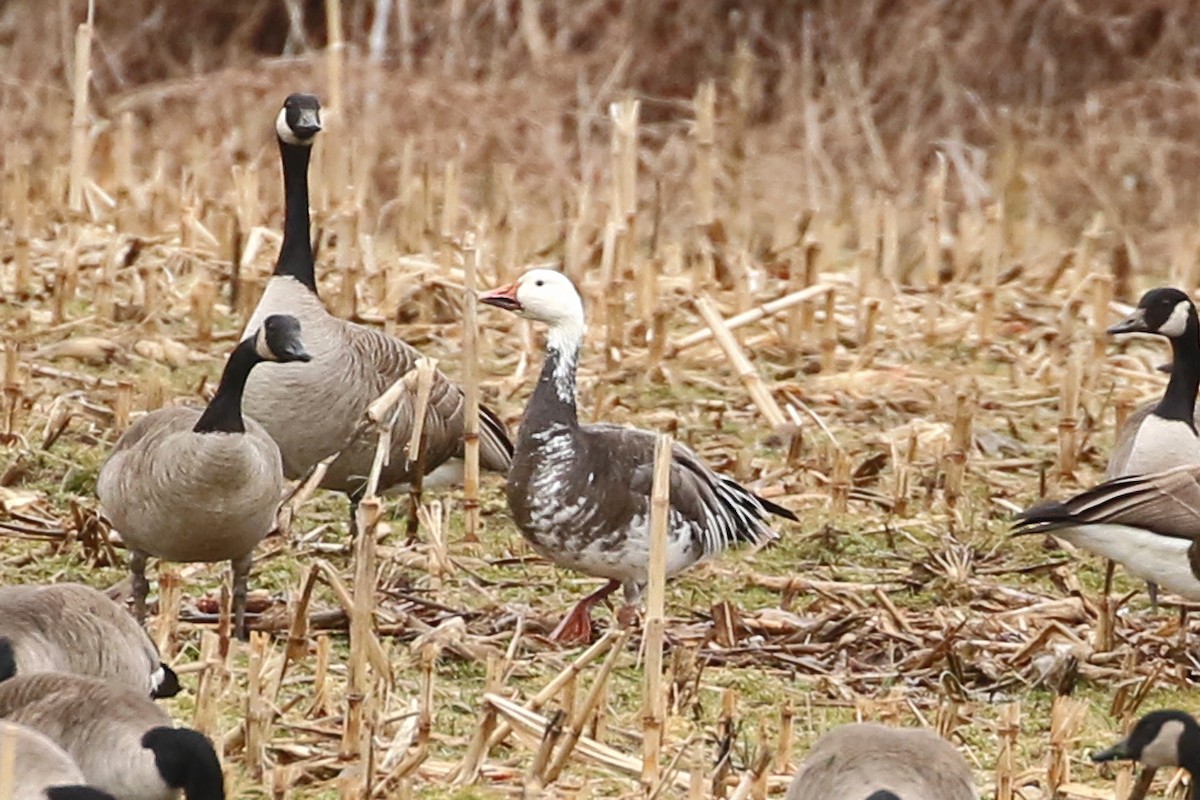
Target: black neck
column 296, row 254
column 1179, row 401
column 224, row 413
column 553, row 400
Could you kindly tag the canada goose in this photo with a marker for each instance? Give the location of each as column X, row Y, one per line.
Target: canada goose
column 581, row 493
column 191, row 485
column 68, row 627
column 1161, row 739
column 865, row 761
column 41, row 769
column 122, row 742
column 1150, row 524
column 312, row 410
column 1162, row 434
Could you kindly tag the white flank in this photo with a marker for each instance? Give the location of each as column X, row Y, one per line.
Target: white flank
column 1149, row 556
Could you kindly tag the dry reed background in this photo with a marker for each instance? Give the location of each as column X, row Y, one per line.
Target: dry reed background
column 961, row 195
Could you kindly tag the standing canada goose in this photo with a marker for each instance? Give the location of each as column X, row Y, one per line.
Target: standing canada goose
column 1161, row 739
column 1162, row 434
column 191, row 485
column 122, row 742
column 42, row 769
column 68, row 627
column 865, row 761
column 1150, row 524
column 581, row 493
column 312, row 409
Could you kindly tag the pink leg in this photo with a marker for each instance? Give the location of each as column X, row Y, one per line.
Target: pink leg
column 576, row 627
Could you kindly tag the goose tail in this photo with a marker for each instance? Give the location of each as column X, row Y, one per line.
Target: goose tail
column 186, row 760
column 77, row 793
column 1045, row 517
column 495, row 448
column 8, row 659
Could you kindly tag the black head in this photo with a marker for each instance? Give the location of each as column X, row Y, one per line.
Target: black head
column 299, row 120
column 883, row 794
column 186, row 760
column 279, row 339
column 77, row 793
column 8, row 659
column 1165, row 311
column 1156, row 740
column 166, row 683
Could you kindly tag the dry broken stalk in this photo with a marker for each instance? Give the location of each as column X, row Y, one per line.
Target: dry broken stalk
column 767, row 309
column 742, row 367
column 1006, row 763
column 470, row 385
column 80, row 122
column 653, row 705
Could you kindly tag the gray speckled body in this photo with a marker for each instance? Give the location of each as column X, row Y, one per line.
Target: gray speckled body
column 99, row 725
column 41, row 764
column 853, row 761
column 186, row 496
column 68, row 627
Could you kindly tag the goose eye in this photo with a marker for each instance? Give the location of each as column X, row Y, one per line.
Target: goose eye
column 539, row 283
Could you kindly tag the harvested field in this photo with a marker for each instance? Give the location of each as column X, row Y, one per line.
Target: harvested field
column 864, row 266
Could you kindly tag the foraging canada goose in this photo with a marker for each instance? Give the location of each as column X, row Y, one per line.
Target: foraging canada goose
column 42, row 769
column 68, row 627
column 1163, row 434
column 581, row 493
column 312, row 410
column 122, row 742
column 1150, row 524
column 865, row 761
column 189, row 485
column 1161, row 739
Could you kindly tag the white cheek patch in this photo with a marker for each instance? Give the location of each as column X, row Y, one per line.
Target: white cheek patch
column 283, row 130
column 156, row 678
column 261, row 347
column 1164, row 750
column 1176, row 324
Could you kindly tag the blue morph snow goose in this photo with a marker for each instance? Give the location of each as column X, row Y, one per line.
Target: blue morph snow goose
column 311, row 410
column 581, row 493
column 187, row 484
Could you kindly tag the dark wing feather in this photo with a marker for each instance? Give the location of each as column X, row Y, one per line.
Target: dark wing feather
column 1167, row 503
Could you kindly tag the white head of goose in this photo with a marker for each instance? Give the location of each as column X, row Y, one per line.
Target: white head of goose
column 866, row 761
column 45, row 770
column 581, row 493
column 189, row 485
column 1161, row 739
column 1150, row 524
column 311, row 410
column 68, row 627
column 122, row 742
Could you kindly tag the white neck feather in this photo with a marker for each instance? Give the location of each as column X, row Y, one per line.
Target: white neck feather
column 564, row 338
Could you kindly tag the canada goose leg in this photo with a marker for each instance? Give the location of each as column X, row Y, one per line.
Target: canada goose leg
column 1152, row 590
column 354, row 498
column 576, row 627
column 241, row 582
column 141, row 586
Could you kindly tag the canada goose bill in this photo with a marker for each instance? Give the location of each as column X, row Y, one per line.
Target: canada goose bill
column 580, row 494
column 299, row 121
column 72, row 628
column 878, row 762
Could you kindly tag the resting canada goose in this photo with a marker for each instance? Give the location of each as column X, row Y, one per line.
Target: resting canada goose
column 1162, row 434
column 42, row 769
column 312, row 410
column 191, row 485
column 1161, row 739
column 68, row 627
column 122, row 742
column 1150, row 524
column 865, row 761
column 581, row 493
